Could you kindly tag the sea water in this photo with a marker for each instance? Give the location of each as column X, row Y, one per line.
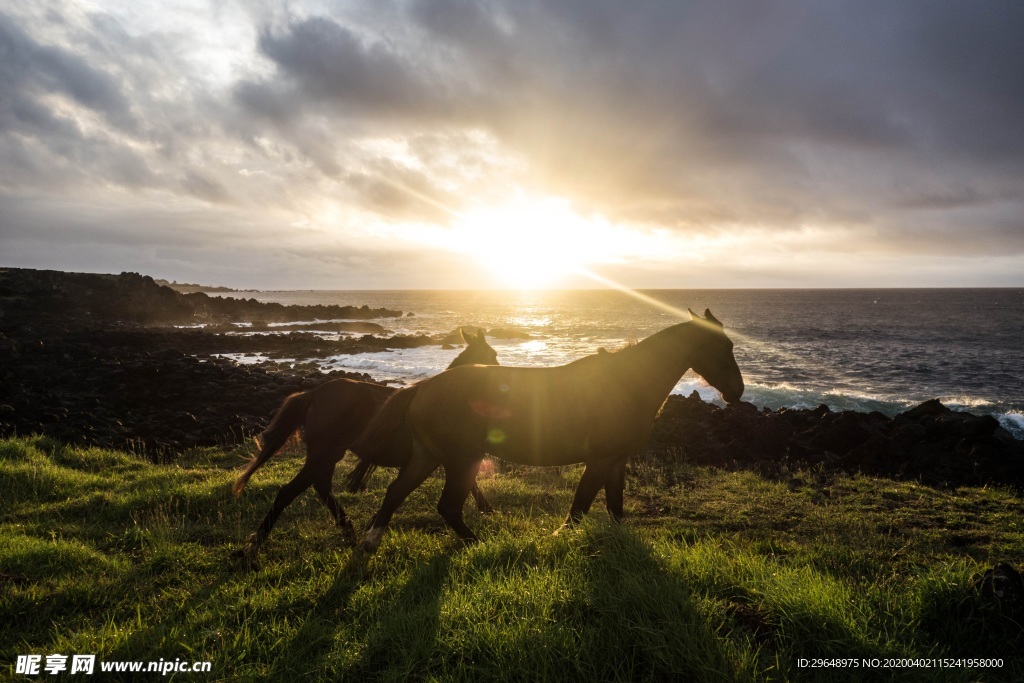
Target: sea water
column 850, row 349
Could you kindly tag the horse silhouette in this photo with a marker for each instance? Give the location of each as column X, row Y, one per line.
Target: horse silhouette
column 597, row 410
column 331, row 416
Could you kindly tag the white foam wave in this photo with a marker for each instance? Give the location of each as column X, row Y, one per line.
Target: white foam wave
column 689, row 384
column 1013, row 422
column 963, row 402
column 251, row 358
column 784, row 395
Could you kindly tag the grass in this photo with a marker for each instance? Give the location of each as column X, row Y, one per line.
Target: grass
column 716, row 576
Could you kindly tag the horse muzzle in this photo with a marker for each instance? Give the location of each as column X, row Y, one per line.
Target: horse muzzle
column 733, row 394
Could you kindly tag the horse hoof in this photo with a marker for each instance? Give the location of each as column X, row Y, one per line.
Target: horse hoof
column 349, row 532
column 566, row 526
column 372, row 540
column 246, row 557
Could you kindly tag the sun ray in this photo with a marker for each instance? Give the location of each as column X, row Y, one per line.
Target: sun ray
column 763, row 346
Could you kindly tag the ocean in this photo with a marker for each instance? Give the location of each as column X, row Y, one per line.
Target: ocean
column 851, row 349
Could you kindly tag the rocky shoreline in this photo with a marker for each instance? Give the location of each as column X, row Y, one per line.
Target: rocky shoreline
column 134, row 298
column 135, row 390
column 93, row 374
column 929, row 443
column 96, row 360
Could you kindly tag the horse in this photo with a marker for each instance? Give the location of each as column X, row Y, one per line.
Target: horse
column 331, row 416
column 597, row 410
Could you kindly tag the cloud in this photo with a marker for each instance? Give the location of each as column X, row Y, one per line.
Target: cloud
column 891, row 128
column 30, row 69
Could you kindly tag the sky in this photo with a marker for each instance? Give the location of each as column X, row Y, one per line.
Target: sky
column 433, row 144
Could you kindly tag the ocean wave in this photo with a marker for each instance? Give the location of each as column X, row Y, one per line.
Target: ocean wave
column 1012, row 422
column 251, row 358
column 784, row 395
column 401, row 366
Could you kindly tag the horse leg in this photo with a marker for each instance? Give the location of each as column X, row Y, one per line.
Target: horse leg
column 322, row 484
column 458, row 479
column 482, row 506
column 302, row 481
column 613, row 487
column 591, row 482
column 412, row 474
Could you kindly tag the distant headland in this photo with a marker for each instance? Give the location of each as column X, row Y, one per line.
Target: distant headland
column 135, row 298
column 191, row 288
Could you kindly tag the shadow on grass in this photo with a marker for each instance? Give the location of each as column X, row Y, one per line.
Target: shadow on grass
column 391, row 635
column 402, row 642
column 638, row 621
column 309, row 649
column 167, row 635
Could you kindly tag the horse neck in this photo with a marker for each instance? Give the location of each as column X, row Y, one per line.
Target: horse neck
column 464, row 358
column 659, row 361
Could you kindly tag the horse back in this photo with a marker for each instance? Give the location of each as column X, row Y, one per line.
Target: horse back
column 341, row 408
column 543, row 416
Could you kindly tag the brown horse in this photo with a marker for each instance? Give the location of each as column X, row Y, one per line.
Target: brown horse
column 597, row 410
column 331, row 416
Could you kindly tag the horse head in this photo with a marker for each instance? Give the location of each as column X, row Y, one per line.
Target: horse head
column 477, row 351
column 716, row 363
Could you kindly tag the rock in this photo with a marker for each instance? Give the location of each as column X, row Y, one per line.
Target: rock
column 931, row 408
column 934, row 444
column 130, row 297
column 122, row 385
column 454, row 338
column 508, row 333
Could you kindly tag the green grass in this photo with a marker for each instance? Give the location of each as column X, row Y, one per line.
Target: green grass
column 716, row 575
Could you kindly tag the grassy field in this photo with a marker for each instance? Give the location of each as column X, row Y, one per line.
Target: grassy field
column 716, row 576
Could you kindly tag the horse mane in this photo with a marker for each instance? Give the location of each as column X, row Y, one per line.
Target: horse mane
column 630, row 343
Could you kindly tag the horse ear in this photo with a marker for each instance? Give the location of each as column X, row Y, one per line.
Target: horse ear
column 693, row 316
column 710, row 318
column 480, row 336
column 466, row 336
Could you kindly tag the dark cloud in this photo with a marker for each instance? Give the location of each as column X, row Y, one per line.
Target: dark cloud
column 715, row 106
column 900, row 125
column 29, row 69
column 202, row 187
column 332, row 62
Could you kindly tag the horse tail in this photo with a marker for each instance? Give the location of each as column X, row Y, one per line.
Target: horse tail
column 289, row 417
column 386, row 441
column 360, row 474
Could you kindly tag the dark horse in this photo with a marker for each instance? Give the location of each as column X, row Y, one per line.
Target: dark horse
column 331, row 416
column 597, row 410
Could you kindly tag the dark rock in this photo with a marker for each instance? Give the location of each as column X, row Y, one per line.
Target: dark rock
column 455, row 336
column 930, row 408
column 130, row 297
column 978, row 427
column 508, row 333
column 932, row 444
column 89, row 381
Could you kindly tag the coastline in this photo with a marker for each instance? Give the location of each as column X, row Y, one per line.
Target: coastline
column 160, row 389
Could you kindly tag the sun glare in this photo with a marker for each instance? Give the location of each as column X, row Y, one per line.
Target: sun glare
column 533, row 244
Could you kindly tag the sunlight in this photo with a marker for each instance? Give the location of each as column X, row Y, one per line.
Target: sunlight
column 736, row 336
column 537, row 243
